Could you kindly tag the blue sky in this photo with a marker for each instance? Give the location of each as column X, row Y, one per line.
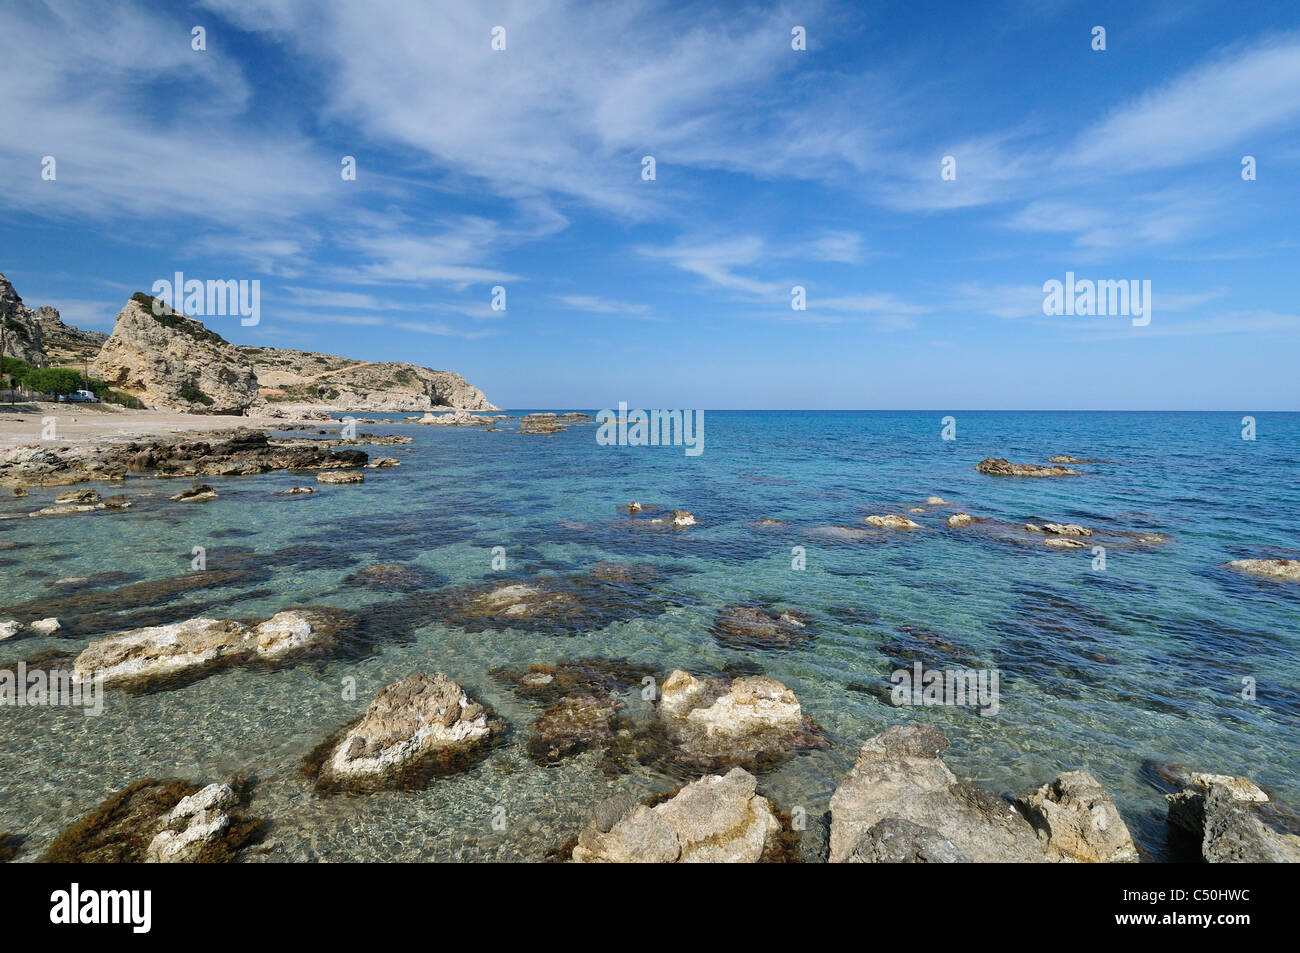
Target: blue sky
column 775, row 168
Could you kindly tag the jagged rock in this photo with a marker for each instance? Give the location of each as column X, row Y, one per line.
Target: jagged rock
column 752, row 627
column 717, row 819
column 960, row 519
column 1223, row 813
column 898, row 774
column 341, row 476
column 415, row 728
column 1077, row 820
column 1287, row 569
column 709, row 724
column 167, row 821
column 23, row 332
column 1066, row 529
column 892, row 521
column 998, row 466
column 78, row 498
column 173, row 362
column 299, row 490
column 898, row 841
column 198, row 493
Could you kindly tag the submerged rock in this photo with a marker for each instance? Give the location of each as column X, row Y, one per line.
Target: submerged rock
column 683, row 518
column 899, row 775
column 384, row 463
column 1066, row 529
column 717, row 819
column 392, row 577
column 1077, row 820
column 960, row 519
column 168, row 821
column 1064, row 542
column 1288, row 569
column 414, row 729
column 998, row 466
column 751, row 627
column 571, row 726
column 568, row 604
column 583, row 676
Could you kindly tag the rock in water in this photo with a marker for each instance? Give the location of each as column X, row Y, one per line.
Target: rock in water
column 341, row 476
column 998, row 466
column 414, row 729
column 167, row 821
column 960, row 519
column 892, row 521
column 709, row 724
column 712, row 820
column 173, row 362
column 1077, row 820
column 752, row 627
column 198, row 493
column 899, row 775
column 1288, row 569
column 1223, row 813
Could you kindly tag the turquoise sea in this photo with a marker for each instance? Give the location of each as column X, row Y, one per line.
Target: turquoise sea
column 1110, row 670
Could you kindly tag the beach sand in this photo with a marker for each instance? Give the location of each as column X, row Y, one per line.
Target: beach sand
column 99, row 424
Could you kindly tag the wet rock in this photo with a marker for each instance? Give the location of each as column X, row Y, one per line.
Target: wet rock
column 9, row 844
column 998, row 466
column 183, row 651
column 751, row 627
column 683, row 518
column 709, row 724
column 299, row 490
column 567, row 604
column 1077, row 820
column 458, row 418
column 892, row 521
column 78, row 498
column 1066, row 529
column 340, row 476
column 634, row 507
column 898, row 841
column 1286, row 569
column 44, row 627
column 117, row 502
column 20, row 492
column 1225, row 815
column 161, row 821
column 717, row 819
column 414, row 729
column 384, row 463
column 198, row 493
column 1062, row 542
column 960, row 519
column 9, row 629
column 935, row 500
column 899, row 774
column 1062, row 458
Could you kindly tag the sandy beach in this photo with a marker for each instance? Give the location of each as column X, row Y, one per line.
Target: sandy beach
column 103, row 424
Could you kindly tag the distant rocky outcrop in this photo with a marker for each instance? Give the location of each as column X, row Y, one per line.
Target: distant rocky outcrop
column 172, row 362
column 23, row 336
column 288, row 378
column 999, row 466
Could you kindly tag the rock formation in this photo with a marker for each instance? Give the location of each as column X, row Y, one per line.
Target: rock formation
column 997, row 466
column 712, row 820
column 22, row 337
column 1227, row 817
column 172, row 362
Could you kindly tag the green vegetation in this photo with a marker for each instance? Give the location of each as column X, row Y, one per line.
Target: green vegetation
column 17, row 328
column 51, row 380
column 194, row 395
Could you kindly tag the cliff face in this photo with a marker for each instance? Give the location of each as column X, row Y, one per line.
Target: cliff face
column 173, row 362
column 22, row 337
column 65, row 344
column 324, row 380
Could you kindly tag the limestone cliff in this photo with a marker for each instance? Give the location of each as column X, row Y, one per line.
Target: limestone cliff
column 173, row 362
column 296, row 378
column 22, row 336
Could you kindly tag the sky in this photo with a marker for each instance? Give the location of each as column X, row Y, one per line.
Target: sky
column 523, row 169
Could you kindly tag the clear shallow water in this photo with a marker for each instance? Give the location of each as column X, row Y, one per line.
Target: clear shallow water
column 1098, row 669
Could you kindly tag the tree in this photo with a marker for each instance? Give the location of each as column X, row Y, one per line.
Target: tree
column 52, row 380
